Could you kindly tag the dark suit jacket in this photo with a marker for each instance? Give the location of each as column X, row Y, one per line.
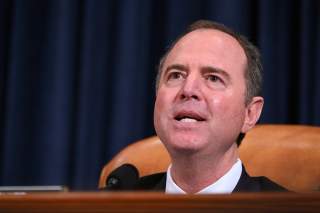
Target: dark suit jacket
column 157, row 182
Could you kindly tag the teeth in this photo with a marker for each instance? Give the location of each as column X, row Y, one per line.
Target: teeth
column 188, row 120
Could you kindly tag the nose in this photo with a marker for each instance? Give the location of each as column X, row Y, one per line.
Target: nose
column 191, row 88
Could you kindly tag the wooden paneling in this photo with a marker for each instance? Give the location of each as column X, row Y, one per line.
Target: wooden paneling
column 158, row 202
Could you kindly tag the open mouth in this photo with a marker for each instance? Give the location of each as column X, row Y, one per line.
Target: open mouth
column 188, row 117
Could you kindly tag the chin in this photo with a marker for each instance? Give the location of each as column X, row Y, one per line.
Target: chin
column 185, row 143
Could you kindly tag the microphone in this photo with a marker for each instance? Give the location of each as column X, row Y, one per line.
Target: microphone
column 124, row 177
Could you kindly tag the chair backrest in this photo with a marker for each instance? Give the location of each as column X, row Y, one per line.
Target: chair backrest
column 286, row 154
column 148, row 155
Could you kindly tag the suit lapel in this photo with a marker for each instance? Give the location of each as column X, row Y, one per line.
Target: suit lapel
column 161, row 185
column 246, row 183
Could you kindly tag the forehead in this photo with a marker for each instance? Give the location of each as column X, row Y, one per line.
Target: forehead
column 209, row 46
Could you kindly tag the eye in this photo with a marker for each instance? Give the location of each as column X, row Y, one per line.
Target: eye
column 214, row 78
column 175, row 75
column 215, row 81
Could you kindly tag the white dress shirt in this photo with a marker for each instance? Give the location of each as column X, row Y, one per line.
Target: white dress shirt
column 225, row 184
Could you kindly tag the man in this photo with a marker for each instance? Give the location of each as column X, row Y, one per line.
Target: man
column 208, row 95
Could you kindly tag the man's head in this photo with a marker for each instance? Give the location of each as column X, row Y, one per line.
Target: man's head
column 253, row 70
column 207, row 90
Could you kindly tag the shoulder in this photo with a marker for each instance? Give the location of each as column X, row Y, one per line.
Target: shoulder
column 256, row 184
column 152, row 182
column 268, row 185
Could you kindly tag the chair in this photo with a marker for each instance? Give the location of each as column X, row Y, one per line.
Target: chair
column 287, row 154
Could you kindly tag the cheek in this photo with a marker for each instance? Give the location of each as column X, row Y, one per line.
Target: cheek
column 164, row 99
column 226, row 107
column 161, row 107
column 217, row 101
column 218, row 105
column 160, row 104
column 156, row 113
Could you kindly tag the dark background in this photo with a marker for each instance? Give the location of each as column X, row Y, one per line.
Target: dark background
column 77, row 76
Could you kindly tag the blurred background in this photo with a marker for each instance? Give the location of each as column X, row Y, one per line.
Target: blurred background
column 77, row 76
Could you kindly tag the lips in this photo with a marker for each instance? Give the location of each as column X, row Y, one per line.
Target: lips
column 189, row 116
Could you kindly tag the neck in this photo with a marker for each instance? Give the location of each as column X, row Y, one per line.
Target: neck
column 193, row 172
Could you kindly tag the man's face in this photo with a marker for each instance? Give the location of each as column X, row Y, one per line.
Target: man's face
column 200, row 103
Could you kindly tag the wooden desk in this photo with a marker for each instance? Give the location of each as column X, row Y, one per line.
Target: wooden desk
column 158, row 202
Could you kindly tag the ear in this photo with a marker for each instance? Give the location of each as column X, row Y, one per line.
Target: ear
column 253, row 112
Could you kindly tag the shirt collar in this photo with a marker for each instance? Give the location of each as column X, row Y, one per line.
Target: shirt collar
column 225, row 184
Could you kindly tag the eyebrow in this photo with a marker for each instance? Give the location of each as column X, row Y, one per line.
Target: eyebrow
column 210, row 69
column 176, row 67
column 204, row 70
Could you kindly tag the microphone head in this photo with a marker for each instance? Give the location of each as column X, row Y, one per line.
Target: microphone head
column 124, row 177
